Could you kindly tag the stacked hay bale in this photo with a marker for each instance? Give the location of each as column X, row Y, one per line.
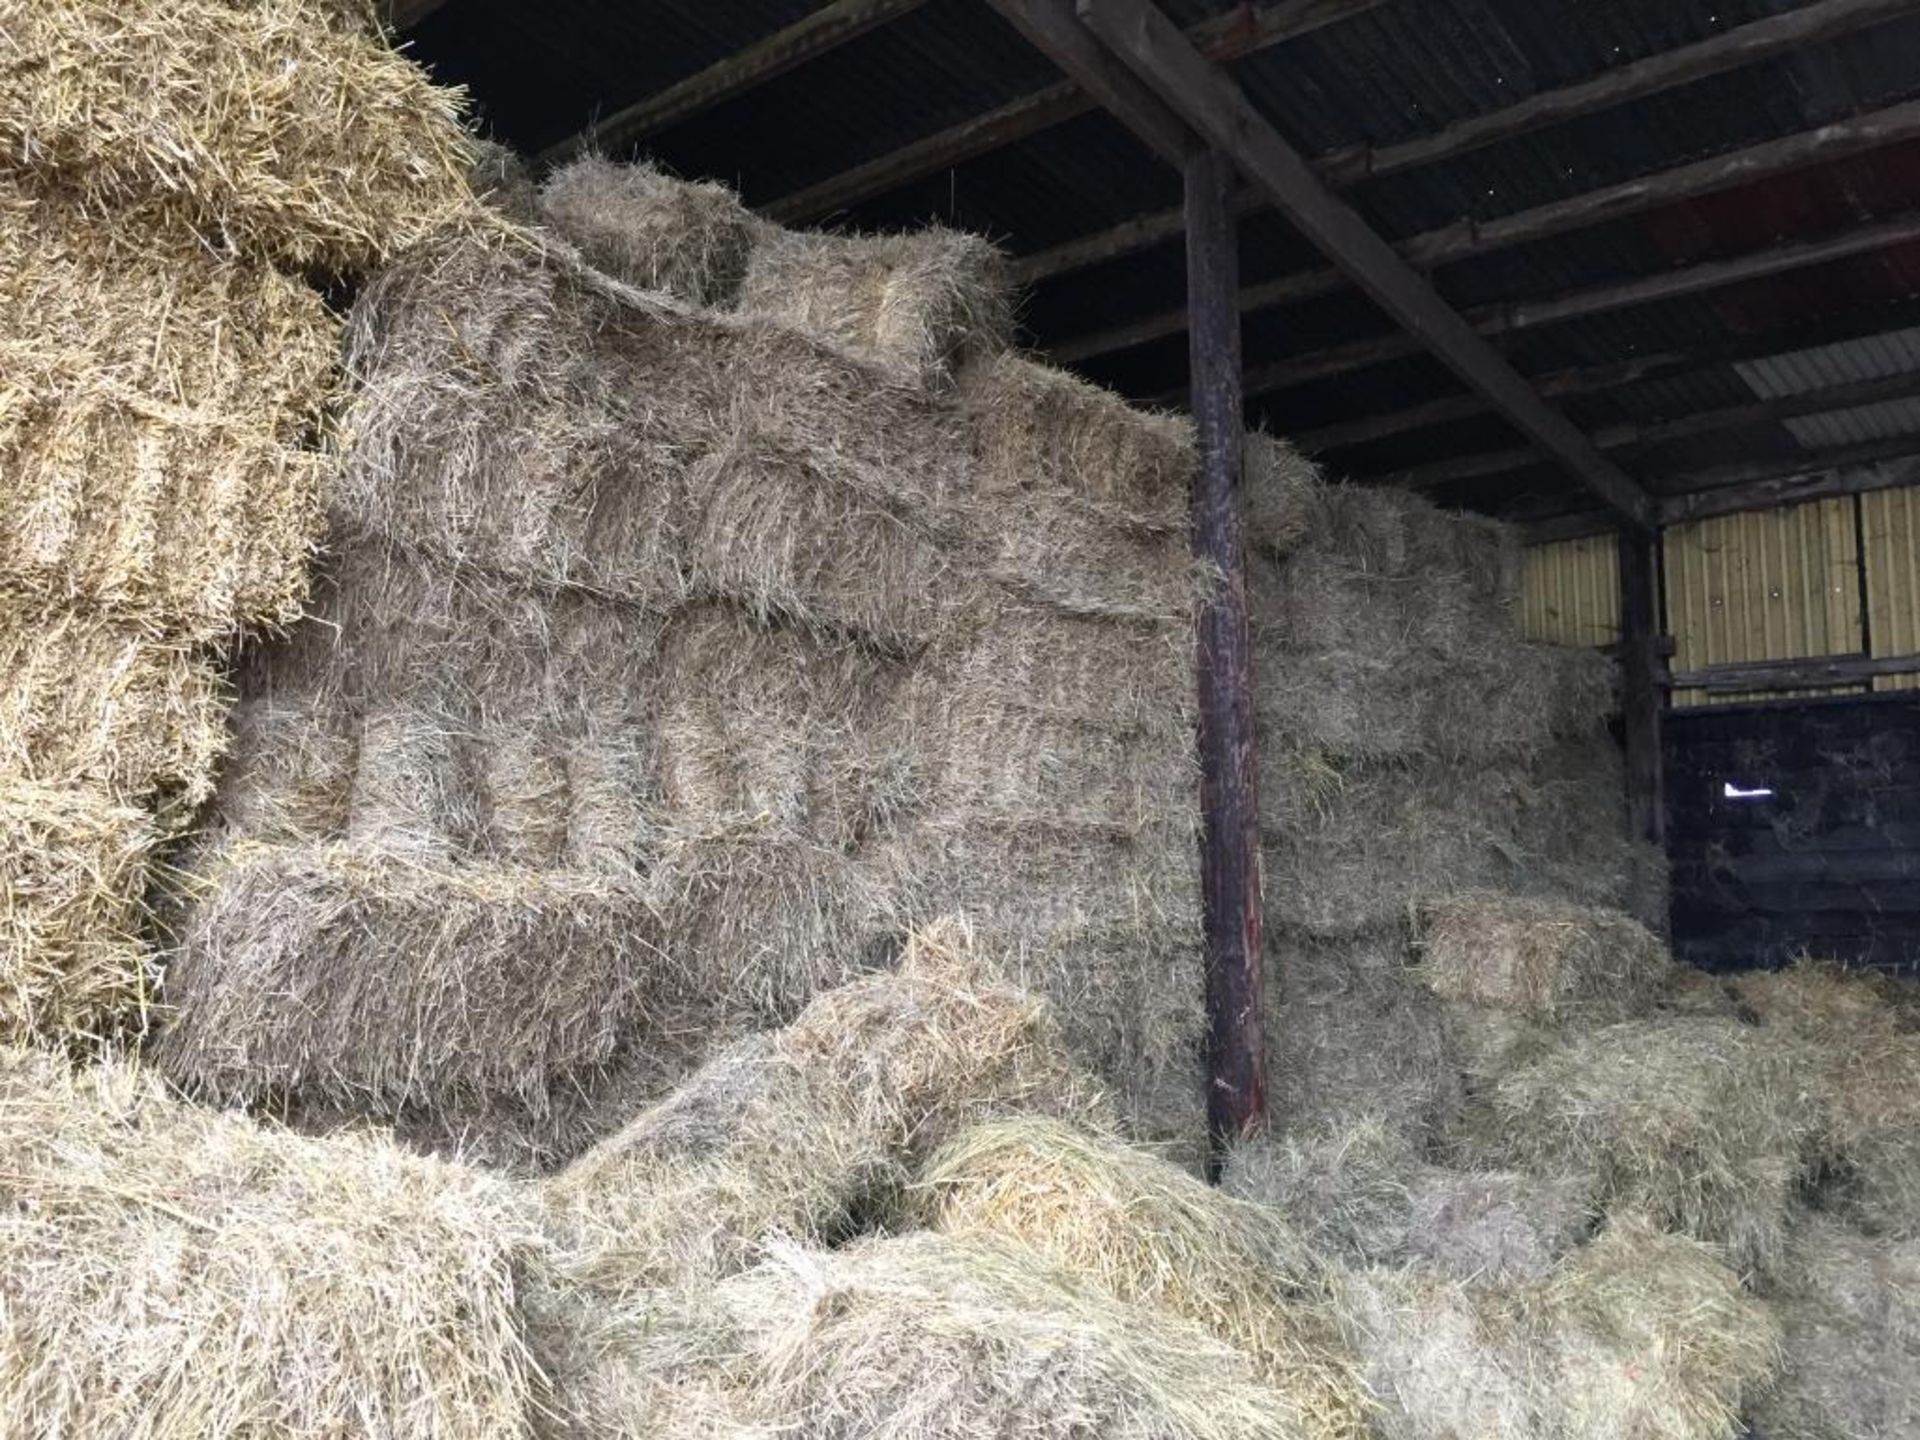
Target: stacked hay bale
column 171, row 174
column 698, row 619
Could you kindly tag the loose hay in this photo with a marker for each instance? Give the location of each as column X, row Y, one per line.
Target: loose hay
column 916, row 305
column 75, row 965
column 172, row 1271
column 1705, row 1125
column 226, row 120
column 642, row 226
column 1541, row 958
column 1142, row 1230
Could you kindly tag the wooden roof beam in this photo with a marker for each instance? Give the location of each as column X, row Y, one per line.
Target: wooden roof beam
column 1227, row 37
column 1729, row 50
column 806, row 39
column 1208, row 100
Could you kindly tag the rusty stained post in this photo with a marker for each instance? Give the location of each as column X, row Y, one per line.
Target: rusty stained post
column 1229, row 798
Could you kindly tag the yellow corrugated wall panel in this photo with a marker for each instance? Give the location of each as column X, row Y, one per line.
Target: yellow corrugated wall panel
column 1767, row 585
column 1571, row 594
column 1890, row 525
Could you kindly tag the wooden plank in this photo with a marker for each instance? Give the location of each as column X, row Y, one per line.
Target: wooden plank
column 1641, row 700
column 1215, row 107
column 1241, row 31
column 1229, row 776
column 1731, row 49
column 1468, row 239
column 1804, row 674
column 806, row 39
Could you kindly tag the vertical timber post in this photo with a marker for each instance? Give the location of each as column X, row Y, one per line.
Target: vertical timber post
column 1229, row 799
column 1641, row 700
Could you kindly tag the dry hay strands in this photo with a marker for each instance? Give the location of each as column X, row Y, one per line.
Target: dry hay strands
column 381, row 979
column 226, row 119
column 1541, row 958
column 1140, row 1229
column 646, row 228
column 1038, row 430
column 312, row 1288
column 798, row 1130
column 153, row 420
column 75, row 963
column 1705, row 1125
column 1390, row 533
column 503, row 181
column 920, row 1336
column 1849, row 1308
column 1283, row 491
column 1077, row 557
column 90, row 699
column 1636, row 1334
column 915, row 305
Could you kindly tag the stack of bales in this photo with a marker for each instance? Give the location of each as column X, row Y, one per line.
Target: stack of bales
column 706, row 605
column 171, row 172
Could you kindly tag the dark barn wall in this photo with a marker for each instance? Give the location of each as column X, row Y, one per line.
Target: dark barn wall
column 1830, row 865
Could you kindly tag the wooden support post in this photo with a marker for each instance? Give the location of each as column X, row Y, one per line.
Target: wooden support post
column 1229, row 788
column 1642, row 700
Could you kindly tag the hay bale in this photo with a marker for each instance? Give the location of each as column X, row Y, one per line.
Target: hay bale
column 1705, row 1125
column 1282, row 489
column 289, row 774
column 1137, row 1228
column 384, row 979
column 1689, row 990
column 921, row 1336
column 504, row 182
column 914, row 305
column 75, row 965
column 644, row 227
column 1495, row 1223
column 1636, row 1334
column 224, row 120
column 87, row 699
column 795, row 1130
column 1035, row 428
column 152, row 426
column 1542, row 958
column 172, row 1270
column 1850, row 1312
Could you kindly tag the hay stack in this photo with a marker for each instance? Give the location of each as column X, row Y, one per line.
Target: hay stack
column 650, row 230
column 1705, row 1125
column 1544, row 959
column 1636, row 1334
column 167, row 1270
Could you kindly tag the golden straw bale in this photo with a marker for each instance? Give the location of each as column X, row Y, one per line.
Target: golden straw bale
column 1707, row 1126
column 1036, row 428
column 384, row 979
column 75, row 964
column 1143, row 1230
column 1542, row 958
column 914, row 305
column 641, row 225
column 90, row 699
column 168, row 1270
column 226, row 119
column 791, row 1130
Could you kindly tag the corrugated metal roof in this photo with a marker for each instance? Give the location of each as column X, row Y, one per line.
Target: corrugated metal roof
column 1821, row 367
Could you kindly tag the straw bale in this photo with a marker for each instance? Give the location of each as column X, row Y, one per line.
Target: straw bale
column 796, row 1130
column 1345, row 1187
column 167, row 1270
column 915, row 305
column 1542, row 958
column 289, row 774
column 1689, row 990
column 1636, row 1334
column 1282, row 490
column 225, row 120
column 502, row 180
column 1490, row 1042
column 643, row 226
column 74, row 867
column 1495, row 1223
column 152, row 420
column 1705, row 1125
column 90, row 699
column 1850, row 1312
column 921, row 1336
column 1142, row 1230
column 1035, row 428
column 382, row 979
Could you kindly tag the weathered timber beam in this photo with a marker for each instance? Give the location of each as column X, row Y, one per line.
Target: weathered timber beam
column 1733, row 48
column 1811, row 672
column 806, row 39
column 1641, row 700
column 1468, row 239
column 1208, row 100
column 1239, row 32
